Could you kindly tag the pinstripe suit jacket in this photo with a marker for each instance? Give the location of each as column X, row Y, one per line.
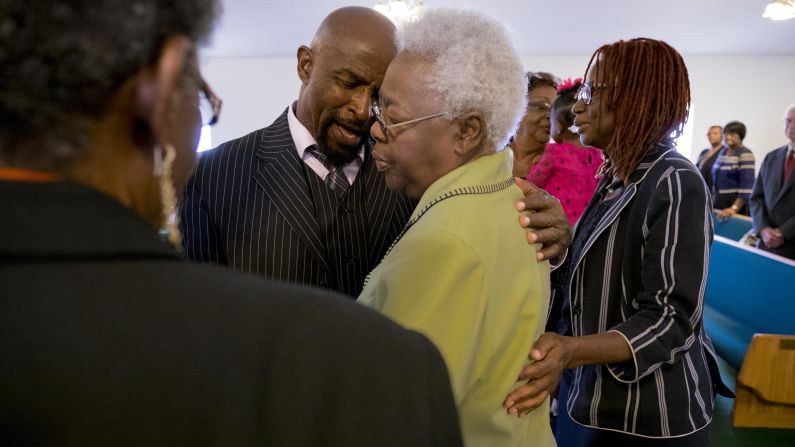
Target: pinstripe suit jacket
column 642, row 273
column 249, row 206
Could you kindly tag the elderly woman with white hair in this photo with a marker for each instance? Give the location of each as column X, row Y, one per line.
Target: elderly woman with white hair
column 461, row 272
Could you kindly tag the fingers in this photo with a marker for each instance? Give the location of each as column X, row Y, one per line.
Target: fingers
column 526, row 187
column 528, row 406
column 550, row 251
column 549, row 235
column 527, row 402
column 537, row 220
column 535, row 198
column 530, row 390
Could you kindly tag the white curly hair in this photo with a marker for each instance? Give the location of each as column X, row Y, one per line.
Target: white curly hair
column 475, row 66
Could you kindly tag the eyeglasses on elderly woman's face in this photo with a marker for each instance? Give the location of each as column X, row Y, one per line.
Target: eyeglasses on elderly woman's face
column 209, row 104
column 586, row 92
column 385, row 127
column 539, row 106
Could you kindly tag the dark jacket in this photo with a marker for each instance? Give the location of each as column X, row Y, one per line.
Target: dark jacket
column 773, row 201
column 108, row 338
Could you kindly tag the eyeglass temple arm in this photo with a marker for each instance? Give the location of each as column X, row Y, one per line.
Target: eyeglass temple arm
column 412, row 121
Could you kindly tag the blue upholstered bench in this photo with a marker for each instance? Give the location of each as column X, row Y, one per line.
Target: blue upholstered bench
column 733, row 228
column 748, row 291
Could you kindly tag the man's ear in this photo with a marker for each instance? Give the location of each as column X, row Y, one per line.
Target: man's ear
column 157, row 84
column 305, row 63
column 472, row 133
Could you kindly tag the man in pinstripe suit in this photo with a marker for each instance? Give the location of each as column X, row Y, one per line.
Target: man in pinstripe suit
column 300, row 200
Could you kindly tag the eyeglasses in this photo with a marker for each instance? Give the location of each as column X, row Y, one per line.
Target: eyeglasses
column 379, row 118
column 209, row 104
column 586, row 92
column 541, row 106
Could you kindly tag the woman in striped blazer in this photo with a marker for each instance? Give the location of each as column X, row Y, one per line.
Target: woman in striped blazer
column 628, row 348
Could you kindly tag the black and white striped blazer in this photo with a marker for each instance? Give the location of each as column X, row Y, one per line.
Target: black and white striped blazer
column 249, row 206
column 642, row 273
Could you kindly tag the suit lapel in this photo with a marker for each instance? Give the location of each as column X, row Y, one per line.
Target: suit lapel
column 380, row 203
column 778, row 175
column 280, row 173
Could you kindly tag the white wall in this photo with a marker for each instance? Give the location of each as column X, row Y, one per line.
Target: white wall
column 751, row 89
column 254, row 90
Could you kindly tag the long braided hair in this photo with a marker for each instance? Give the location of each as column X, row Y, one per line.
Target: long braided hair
column 650, row 100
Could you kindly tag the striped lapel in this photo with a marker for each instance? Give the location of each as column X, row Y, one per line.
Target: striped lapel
column 279, row 172
column 618, row 205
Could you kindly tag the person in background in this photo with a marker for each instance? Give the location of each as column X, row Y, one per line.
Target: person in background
column 301, row 200
column 707, row 158
column 567, row 170
column 108, row 337
column 773, row 198
column 533, row 132
column 634, row 364
column 732, row 174
column 461, row 272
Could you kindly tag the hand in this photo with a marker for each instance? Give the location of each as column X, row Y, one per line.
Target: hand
column 551, row 228
column 726, row 213
column 551, row 355
column 772, row 237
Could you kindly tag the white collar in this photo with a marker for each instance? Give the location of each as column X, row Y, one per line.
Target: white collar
column 301, row 136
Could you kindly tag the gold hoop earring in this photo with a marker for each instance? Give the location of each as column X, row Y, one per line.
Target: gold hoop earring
column 163, row 164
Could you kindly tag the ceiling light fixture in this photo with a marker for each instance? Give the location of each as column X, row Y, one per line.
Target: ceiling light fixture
column 400, row 11
column 780, row 10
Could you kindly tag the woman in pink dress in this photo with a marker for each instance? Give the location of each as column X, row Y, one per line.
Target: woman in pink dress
column 567, row 170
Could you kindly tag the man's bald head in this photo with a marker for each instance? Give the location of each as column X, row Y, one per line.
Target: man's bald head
column 340, row 76
column 355, row 24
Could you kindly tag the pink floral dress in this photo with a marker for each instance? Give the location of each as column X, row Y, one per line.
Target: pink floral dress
column 568, row 172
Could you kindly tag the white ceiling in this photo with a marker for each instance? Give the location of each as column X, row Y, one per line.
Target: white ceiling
column 695, row 27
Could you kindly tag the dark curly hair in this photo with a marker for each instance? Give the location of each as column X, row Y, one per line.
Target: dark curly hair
column 541, row 79
column 61, row 61
column 561, row 108
column 735, row 127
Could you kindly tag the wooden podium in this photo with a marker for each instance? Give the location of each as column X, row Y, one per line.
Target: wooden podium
column 766, row 384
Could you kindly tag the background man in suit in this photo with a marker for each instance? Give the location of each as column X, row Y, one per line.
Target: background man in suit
column 107, row 336
column 301, row 199
column 773, row 198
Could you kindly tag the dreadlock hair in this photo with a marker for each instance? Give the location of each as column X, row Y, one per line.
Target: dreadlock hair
column 653, row 102
column 567, row 96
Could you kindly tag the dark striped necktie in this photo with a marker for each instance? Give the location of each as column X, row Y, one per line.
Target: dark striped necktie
column 336, row 179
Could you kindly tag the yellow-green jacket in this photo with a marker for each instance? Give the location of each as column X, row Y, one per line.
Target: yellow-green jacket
column 464, row 275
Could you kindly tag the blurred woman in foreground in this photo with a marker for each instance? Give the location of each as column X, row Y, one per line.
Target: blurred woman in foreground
column 108, row 337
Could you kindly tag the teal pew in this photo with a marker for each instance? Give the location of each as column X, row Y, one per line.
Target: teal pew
column 733, row 228
column 748, row 291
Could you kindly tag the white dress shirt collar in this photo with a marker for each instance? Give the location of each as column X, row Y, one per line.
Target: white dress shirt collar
column 304, row 139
